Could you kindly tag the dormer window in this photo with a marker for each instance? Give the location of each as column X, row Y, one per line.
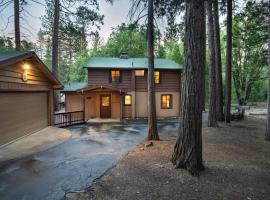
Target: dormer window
column 115, row 76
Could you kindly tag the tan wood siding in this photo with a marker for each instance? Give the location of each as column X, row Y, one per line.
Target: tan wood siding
column 115, row 100
column 127, row 111
column 5, row 86
column 142, row 105
column 73, row 101
column 21, row 114
column 13, row 74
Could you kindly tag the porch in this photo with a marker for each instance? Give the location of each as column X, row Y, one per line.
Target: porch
column 102, row 103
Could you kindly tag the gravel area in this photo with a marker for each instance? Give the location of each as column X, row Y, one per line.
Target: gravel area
column 237, row 166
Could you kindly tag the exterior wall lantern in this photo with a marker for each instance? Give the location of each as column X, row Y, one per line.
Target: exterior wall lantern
column 26, row 67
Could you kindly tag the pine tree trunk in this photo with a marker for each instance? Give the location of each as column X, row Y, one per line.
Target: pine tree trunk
column 212, row 116
column 188, row 148
column 55, row 49
column 152, row 119
column 17, row 25
column 267, row 132
column 228, row 84
column 220, row 114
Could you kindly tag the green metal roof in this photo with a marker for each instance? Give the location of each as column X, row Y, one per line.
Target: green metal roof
column 135, row 63
column 74, row 86
column 10, row 54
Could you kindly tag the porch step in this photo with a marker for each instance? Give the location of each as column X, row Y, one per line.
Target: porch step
column 101, row 120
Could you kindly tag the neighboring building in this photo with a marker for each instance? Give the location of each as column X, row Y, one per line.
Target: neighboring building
column 26, row 95
column 117, row 88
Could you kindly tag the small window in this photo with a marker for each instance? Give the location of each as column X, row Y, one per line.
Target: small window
column 115, row 76
column 157, row 77
column 166, row 101
column 139, row 72
column 127, row 100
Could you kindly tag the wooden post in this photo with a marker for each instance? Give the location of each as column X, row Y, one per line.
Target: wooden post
column 133, row 94
column 69, row 120
column 121, row 107
column 50, row 108
column 84, row 108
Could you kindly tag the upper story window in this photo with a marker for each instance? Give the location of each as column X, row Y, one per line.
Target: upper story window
column 157, row 77
column 166, row 101
column 139, row 72
column 127, row 100
column 115, row 76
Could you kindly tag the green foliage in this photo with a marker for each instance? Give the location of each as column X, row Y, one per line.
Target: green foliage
column 174, row 51
column 78, row 72
column 79, row 21
column 6, row 44
column 125, row 38
column 249, row 49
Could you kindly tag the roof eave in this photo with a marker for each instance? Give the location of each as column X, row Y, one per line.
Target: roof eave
column 15, row 59
column 131, row 68
column 56, row 83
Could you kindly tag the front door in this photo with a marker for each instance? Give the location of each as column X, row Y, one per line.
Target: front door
column 105, row 106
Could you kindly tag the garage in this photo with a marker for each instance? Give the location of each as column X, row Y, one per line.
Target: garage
column 22, row 114
column 26, row 95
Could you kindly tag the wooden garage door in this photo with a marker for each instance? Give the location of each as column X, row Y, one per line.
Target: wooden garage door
column 21, row 114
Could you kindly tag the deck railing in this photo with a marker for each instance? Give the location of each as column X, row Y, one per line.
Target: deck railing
column 68, row 118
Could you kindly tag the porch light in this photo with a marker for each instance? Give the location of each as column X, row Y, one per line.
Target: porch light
column 26, row 66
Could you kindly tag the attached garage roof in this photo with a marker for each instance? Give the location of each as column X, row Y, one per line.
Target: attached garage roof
column 130, row 63
column 11, row 54
column 11, row 57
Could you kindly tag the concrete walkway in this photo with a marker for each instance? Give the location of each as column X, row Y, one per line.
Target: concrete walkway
column 100, row 120
column 34, row 143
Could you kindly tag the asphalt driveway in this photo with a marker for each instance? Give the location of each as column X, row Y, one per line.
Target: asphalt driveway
column 74, row 164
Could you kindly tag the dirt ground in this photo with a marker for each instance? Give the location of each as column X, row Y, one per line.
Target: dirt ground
column 236, row 159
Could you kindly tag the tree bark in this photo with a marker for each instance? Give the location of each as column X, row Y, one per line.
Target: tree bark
column 220, row 114
column 55, row 48
column 188, row 148
column 267, row 132
column 152, row 119
column 212, row 116
column 17, row 25
column 228, row 63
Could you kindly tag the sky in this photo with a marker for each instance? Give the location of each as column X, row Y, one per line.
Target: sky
column 115, row 14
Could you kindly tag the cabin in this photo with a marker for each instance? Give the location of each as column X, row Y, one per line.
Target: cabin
column 26, row 95
column 117, row 88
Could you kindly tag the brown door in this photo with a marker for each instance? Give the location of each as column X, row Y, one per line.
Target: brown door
column 105, row 106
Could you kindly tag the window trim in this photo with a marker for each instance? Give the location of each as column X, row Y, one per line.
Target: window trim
column 171, row 101
column 140, row 70
column 110, row 76
column 159, row 76
column 130, row 100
